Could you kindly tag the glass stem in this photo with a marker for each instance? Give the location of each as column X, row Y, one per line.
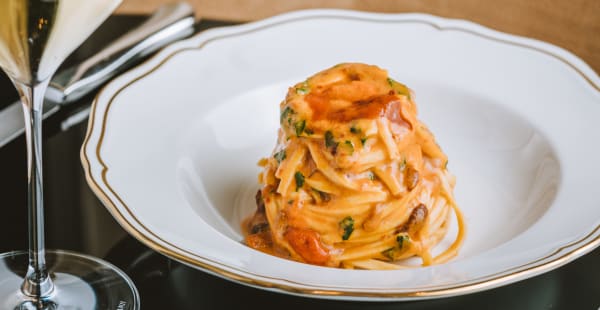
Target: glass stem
column 37, row 282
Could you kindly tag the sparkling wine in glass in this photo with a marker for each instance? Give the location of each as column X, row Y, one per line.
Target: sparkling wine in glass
column 35, row 38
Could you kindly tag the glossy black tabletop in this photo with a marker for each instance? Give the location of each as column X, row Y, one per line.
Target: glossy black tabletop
column 77, row 221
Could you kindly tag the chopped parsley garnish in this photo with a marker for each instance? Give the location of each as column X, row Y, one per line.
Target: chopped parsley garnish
column 329, row 141
column 347, row 225
column 371, row 175
column 280, row 156
column 391, row 82
column 402, row 164
column 299, row 126
column 308, row 131
column 363, row 140
column 285, row 113
column 303, row 90
column 354, row 129
column 390, row 253
column 400, row 88
column 299, row 179
column 401, row 239
column 348, row 147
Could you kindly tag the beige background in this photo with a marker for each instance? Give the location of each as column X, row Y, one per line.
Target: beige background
column 571, row 24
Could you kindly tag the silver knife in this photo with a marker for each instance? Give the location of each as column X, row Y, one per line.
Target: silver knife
column 169, row 23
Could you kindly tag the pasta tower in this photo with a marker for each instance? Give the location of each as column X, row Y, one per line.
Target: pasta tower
column 355, row 180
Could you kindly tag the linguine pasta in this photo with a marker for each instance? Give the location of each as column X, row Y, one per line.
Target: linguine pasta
column 355, row 180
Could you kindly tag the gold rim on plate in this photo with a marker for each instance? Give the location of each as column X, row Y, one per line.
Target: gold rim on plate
column 546, row 263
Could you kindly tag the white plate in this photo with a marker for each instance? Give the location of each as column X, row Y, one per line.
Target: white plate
column 172, row 146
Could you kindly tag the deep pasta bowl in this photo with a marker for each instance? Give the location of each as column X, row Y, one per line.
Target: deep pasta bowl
column 172, row 146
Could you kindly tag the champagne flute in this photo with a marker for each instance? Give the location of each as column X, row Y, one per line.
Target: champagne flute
column 35, row 38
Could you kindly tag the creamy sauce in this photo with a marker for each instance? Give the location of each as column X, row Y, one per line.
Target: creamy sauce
column 357, row 170
column 371, row 108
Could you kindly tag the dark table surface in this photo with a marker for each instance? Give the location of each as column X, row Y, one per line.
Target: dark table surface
column 77, row 221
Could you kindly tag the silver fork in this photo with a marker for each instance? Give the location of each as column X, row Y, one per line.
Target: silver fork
column 169, row 23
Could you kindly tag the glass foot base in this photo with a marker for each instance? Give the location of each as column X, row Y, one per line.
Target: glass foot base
column 80, row 282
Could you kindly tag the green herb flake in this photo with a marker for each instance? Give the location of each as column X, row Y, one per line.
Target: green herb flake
column 400, row 88
column 402, row 239
column 303, row 90
column 347, row 224
column 285, row 113
column 299, row 126
column 308, row 131
column 329, row 141
column 390, row 253
column 391, row 82
column 299, row 179
column 402, row 164
column 371, row 175
column 355, row 130
column 290, row 201
column 348, row 147
column 363, row 140
column 280, row 156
